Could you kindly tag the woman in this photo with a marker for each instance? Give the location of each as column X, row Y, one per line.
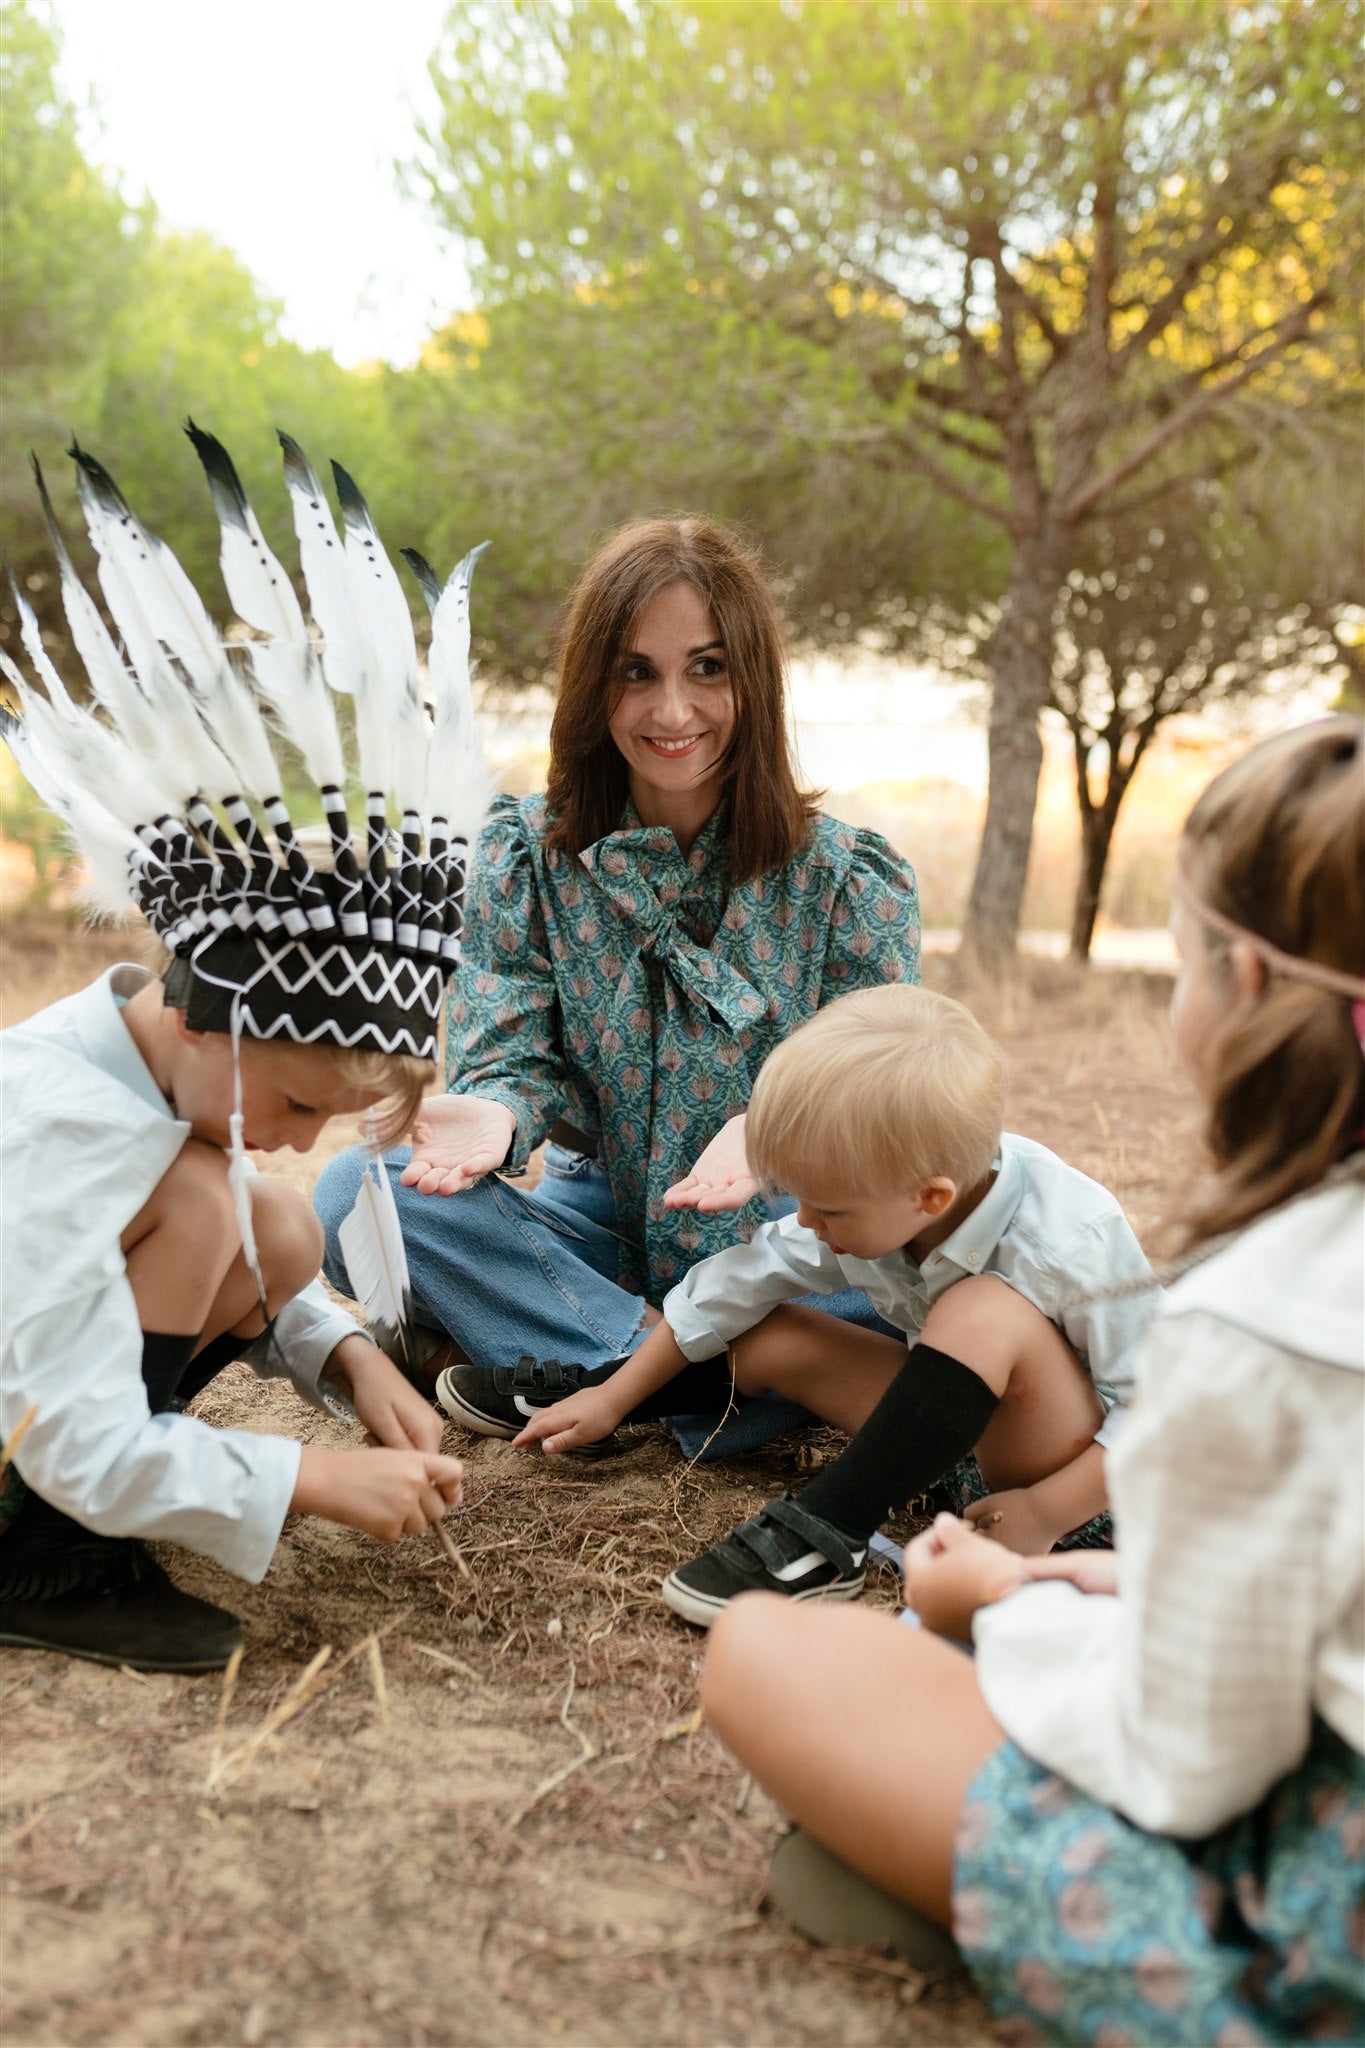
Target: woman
column 640, row 937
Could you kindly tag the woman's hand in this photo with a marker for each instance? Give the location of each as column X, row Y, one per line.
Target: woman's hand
column 1094, row 1571
column 581, row 1419
column 721, row 1179
column 950, row 1571
column 456, row 1140
column 393, row 1412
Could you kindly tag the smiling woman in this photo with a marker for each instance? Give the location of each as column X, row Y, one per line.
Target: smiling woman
column 639, row 939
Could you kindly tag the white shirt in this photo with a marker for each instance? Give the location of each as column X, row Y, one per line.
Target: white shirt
column 85, row 1136
column 1237, row 1489
column 1042, row 1226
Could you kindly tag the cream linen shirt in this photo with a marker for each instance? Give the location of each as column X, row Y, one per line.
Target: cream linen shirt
column 85, row 1136
column 1237, row 1488
column 1045, row 1228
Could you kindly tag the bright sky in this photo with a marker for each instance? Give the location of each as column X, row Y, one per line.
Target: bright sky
column 274, row 124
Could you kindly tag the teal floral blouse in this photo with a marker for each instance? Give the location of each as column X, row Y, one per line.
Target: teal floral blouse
column 637, row 993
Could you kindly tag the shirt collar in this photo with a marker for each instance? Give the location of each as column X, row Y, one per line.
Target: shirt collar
column 107, row 1039
column 970, row 1246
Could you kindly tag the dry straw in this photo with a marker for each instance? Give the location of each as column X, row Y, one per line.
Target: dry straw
column 227, row 1766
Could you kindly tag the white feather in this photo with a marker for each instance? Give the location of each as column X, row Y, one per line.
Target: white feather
column 323, row 559
column 458, row 780
column 376, row 1262
column 285, row 667
column 156, row 606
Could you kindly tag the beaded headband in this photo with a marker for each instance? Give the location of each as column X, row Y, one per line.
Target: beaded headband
column 1292, row 966
column 170, row 783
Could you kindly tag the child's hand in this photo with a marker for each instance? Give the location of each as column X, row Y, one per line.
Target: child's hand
column 393, row 1412
column 1018, row 1525
column 1094, row 1571
column 581, row 1419
column 387, row 1493
column 721, row 1179
column 950, row 1571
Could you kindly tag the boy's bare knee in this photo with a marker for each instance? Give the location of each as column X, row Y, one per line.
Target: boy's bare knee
column 982, row 1320
column 191, row 1201
column 289, row 1240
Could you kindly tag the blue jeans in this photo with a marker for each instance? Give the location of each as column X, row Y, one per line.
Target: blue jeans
column 507, row 1271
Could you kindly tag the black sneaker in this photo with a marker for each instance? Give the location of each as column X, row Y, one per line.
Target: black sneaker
column 131, row 1615
column 499, row 1400
column 784, row 1549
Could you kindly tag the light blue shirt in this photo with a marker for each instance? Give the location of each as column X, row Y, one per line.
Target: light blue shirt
column 1046, row 1229
column 85, row 1136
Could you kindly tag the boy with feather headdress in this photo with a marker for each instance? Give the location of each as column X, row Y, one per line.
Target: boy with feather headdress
column 140, row 1253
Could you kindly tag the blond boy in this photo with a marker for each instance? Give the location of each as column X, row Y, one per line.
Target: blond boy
column 882, row 1116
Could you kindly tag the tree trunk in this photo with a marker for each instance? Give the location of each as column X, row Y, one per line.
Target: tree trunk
column 1097, row 833
column 1022, row 674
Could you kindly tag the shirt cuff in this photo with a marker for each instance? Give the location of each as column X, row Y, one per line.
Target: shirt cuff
column 694, row 1336
column 307, row 1332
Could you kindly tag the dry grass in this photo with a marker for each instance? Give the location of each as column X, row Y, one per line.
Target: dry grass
column 507, row 1824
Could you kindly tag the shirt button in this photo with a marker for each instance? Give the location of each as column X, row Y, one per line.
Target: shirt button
column 973, row 1258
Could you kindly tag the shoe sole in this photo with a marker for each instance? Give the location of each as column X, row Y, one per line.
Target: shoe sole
column 829, row 1902
column 11, row 1641
column 459, row 1410
column 702, row 1608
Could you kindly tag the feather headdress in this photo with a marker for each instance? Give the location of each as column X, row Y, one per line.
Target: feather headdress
column 165, row 768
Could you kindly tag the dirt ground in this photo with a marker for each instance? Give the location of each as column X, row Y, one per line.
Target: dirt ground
column 490, row 1817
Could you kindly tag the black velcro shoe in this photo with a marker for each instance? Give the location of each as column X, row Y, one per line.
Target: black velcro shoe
column 784, row 1549
column 122, row 1610
column 500, row 1400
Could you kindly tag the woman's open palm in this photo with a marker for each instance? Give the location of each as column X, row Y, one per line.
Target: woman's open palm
column 456, row 1139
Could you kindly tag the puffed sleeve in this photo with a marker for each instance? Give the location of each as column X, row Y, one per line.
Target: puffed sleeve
column 874, row 920
column 503, row 1041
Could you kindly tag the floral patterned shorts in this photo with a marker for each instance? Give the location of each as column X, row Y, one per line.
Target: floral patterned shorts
column 1078, row 1927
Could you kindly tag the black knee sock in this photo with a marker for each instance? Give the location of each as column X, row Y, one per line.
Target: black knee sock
column 930, row 1416
column 702, row 1389
column 164, row 1362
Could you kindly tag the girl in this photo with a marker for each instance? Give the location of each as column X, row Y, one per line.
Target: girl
column 640, row 938
column 1141, row 1806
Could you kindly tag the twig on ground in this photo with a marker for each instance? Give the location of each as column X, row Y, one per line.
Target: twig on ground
column 381, row 1690
column 452, row 1549
column 455, row 1663
column 556, row 1778
column 225, row 1770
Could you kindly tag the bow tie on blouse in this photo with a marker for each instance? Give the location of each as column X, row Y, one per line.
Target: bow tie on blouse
column 646, row 879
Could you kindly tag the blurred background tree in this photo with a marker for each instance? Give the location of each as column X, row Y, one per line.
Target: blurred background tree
column 999, row 251
column 962, row 313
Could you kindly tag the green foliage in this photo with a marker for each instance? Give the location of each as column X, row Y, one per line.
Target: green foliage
column 118, row 330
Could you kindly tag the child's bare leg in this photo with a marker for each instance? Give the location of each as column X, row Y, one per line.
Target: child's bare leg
column 1049, row 1410
column 866, row 1732
column 183, row 1251
column 833, row 1368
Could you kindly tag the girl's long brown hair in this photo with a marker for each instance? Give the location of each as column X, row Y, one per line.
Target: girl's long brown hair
column 770, row 816
column 1277, row 844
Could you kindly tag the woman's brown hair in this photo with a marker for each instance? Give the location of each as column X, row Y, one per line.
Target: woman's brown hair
column 1276, row 844
column 586, row 793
